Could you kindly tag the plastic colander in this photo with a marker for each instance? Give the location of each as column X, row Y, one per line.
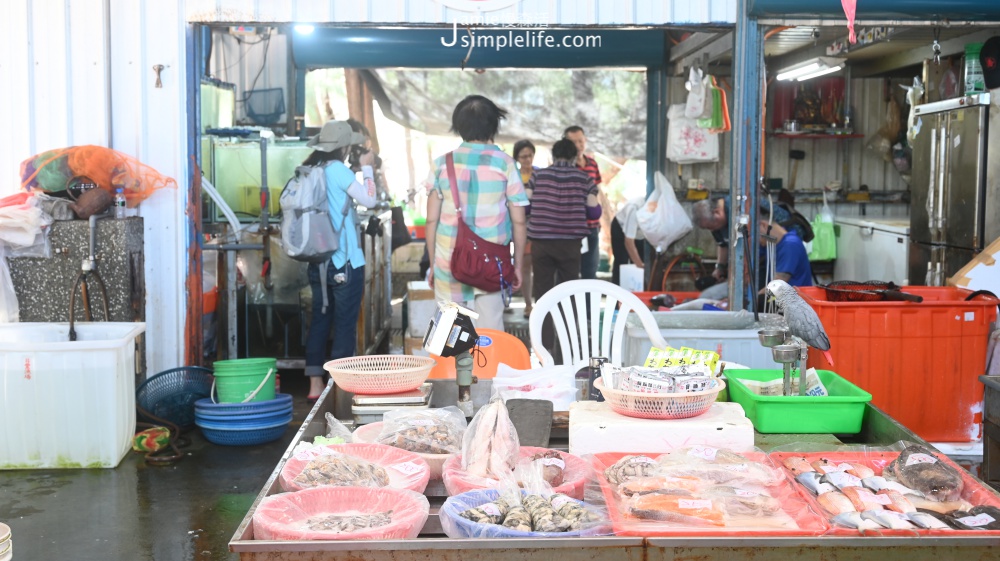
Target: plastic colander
column 380, row 374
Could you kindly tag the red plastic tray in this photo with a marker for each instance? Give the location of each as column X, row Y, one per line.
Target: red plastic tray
column 802, row 512
column 972, row 490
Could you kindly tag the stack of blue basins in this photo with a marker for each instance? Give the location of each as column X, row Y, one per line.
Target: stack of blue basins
column 244, row 424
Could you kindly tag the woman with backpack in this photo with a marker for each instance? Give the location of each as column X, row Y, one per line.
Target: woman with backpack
column 336, row 302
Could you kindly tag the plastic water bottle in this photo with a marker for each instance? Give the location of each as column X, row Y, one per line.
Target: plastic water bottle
column 119, row 203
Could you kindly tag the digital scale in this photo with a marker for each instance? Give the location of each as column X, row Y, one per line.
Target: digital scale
column 370, row 408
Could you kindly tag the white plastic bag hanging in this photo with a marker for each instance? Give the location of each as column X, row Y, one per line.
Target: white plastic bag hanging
column 697, row 95
column 663, row 220
column 686, row 142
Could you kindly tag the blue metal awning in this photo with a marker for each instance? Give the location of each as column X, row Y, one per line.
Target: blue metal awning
column 909, row 10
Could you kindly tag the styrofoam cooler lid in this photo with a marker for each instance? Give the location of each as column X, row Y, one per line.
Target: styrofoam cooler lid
column 899, row 226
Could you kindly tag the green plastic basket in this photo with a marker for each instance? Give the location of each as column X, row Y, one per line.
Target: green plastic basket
column 840, row 412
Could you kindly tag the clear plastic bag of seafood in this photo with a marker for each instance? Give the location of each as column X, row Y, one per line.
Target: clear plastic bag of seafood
column 336, row 430
column 355, row 465
column 907, row 487
column 490, row 445
column 429, row 431
column 702, row 489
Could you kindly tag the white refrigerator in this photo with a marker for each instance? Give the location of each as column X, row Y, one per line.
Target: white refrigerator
column 872, row 249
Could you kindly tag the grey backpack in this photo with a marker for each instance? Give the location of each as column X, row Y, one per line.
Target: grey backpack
column 307, row 233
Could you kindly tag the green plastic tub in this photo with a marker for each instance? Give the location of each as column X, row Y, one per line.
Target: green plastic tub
column 840, row 412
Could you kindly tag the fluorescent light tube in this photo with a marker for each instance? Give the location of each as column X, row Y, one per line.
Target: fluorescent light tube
column 819, row 73
column 796, row 72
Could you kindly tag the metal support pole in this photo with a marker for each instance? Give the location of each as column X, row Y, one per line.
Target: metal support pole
column 232, row 345
column 463, row 375
column 748, row 94
column 265, row 230
column 656, row 141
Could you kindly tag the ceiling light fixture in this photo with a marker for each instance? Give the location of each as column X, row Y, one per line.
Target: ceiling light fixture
column 811, row 68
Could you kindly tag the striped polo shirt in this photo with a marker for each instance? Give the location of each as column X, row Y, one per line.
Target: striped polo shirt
column 559, row 202
column 590, row 166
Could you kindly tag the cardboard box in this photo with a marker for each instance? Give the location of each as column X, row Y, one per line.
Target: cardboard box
column 420, row 307
column 406, row 259
column 414, row 346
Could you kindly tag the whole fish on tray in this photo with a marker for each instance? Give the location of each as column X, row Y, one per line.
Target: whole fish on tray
column 918, row 468
column 898, row 502
column 814, row 482
column 836, row 503
column 879, row 483
column 977, row 518
column 798, row 465
column 938, row 507
column 863, row 499
column 888, row 519
column 854, row 520
column 928, row 521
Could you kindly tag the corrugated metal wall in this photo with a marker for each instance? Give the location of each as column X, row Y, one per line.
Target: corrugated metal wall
column 562, row 12
column 81, row 73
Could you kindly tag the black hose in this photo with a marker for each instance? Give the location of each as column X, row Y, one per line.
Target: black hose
column 750, row 273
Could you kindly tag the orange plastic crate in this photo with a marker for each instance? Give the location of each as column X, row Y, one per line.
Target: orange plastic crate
column 680, row 297
column 920, row 361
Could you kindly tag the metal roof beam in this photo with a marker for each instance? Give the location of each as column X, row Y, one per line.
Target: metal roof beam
column 950, row 47
column 704, row 54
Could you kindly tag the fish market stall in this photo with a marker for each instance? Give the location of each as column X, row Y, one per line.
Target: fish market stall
column 814, row 538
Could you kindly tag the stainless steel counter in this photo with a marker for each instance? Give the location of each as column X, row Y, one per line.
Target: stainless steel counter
column 878, row 429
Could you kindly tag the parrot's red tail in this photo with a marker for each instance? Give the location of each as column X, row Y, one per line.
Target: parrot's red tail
column 828, row 357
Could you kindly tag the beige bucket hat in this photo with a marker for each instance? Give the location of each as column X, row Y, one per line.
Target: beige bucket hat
column 333, row 135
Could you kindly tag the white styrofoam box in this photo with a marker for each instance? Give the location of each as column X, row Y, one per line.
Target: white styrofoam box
column 631, row 277
column 420, row 307
column 67, row 404
column 732, row 334
column 595, row 428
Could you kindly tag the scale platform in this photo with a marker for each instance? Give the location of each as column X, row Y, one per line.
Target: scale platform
column 369, row 408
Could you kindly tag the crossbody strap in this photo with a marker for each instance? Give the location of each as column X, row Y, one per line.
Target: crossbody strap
column 453, row 181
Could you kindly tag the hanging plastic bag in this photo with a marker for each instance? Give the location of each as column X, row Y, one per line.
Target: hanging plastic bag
column 686, row 142
column 554, row 383
column 663, row 220
column 823, row 246
column 698, row 95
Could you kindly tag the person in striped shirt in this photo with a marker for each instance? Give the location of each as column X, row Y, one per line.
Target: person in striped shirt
column 563, row 198
column 591, row 259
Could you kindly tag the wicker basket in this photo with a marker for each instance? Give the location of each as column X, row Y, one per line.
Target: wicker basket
column 380, row 374
column 662, row 405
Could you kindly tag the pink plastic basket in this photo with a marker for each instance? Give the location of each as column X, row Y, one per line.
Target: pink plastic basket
column 380, row 374
column 406, row 469
column 458, row 481
column 283, row 516
column 659, row 405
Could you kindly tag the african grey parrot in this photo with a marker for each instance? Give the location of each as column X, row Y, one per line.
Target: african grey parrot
column 801, row 318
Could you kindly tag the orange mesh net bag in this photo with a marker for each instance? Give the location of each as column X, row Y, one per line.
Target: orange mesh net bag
column 65, row 168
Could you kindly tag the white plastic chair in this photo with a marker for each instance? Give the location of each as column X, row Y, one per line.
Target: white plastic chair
column 567, row 304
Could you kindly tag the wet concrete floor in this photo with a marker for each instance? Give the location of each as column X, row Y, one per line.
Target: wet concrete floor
column 137, row 512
